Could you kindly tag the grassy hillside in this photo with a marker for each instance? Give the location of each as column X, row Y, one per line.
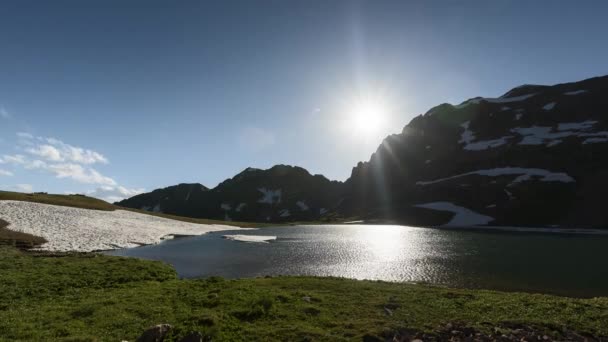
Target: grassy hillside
column 85, row 202
column 88, row 297
column 77, row 201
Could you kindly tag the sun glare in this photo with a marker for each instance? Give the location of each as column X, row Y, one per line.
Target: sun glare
column 367, row 116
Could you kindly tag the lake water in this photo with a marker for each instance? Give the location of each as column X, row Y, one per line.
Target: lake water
column 566, row 264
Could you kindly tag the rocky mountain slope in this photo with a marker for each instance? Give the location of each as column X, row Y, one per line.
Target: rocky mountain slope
column 281, row 193
column 536, row 156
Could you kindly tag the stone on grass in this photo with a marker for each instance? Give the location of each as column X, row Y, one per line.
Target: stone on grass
column 156, row 333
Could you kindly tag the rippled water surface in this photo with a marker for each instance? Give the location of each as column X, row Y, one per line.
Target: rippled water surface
column 554, row 263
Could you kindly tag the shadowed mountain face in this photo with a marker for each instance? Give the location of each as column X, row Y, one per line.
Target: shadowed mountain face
column 536, row 156
column 279, row 194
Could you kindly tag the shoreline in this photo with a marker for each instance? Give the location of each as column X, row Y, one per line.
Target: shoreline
column 522, row 229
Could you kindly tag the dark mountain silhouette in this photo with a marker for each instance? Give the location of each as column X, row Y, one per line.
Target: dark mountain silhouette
column 279, row 194
column 536, row 156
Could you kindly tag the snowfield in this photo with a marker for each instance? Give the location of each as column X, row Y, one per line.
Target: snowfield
column 463, row 217
column 84, row 230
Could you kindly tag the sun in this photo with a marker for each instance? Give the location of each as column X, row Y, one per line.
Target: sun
column 368, row 115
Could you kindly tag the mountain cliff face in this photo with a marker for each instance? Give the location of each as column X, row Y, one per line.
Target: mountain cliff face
column 536, row 156
column 279, row 194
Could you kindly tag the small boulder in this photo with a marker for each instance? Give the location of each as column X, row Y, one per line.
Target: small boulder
column 156, row 333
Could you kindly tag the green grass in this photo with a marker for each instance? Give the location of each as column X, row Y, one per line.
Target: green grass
column 88, row 297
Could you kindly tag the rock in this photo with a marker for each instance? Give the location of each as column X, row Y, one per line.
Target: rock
column 156, row 333
column 388, row 311
column 193, row 337
column 306, row 299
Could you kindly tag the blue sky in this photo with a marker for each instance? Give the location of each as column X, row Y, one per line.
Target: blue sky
column 113, row 97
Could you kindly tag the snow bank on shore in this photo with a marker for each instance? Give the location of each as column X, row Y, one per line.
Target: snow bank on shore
column 250, row 238
column 84, row 230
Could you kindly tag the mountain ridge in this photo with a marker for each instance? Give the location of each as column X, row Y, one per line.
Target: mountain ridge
column 531, row 157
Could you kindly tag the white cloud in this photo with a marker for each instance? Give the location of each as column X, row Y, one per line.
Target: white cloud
column 79, row 173
column 14, row 159
column 56, row 150
column 47, row 152
column 23, row 187
column 256, row 138
column 25, row 135
column 4, row 113
column 67, row 162
column 114, row 193
column 5, row 173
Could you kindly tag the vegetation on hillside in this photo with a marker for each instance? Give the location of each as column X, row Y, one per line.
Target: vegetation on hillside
column 88, row 297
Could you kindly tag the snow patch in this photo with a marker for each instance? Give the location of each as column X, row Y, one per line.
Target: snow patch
column 467, row 137
column 225, row 206
column 505, row 108
column 85, row 230
column 250, row 238
column 302, row 205
column 594, row 140
column 270, row 196
column 549, row 106
column 322, row 211
column 284, row 213
column 579, row 126
column 485, row 144
column 526, row 174
column 539, row 135
column 463, row 217
column 576, row 92
column 240, row 207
